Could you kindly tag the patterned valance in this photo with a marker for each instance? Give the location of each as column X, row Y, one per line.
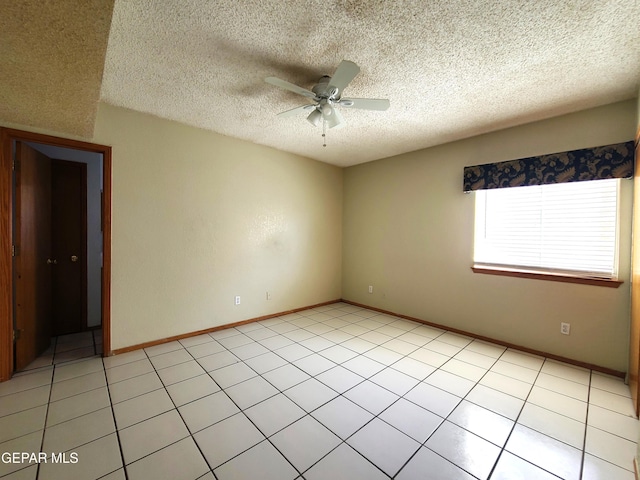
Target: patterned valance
column 599, row 163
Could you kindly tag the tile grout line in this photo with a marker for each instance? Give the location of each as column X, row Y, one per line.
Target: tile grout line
column 386, row 366
column 191, row 434
column 288, row 362
column 464, row 398
column 525, row 401
column 424, row 444
column 584, row 437
column 515, row 423
column 44, row 426
column 240, row 411
column 539, row 371
column 306, row 413
column 115, row 424
column 163, row 387
column 358, row 354
column 56, row 353
column 53, row 370
column 340, row 364
column 361, row 354
column 281, row 392
column 285, row 359
column 310, row 413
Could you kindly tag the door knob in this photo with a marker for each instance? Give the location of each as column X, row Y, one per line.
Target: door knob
column 49, row 261
column 74, row 258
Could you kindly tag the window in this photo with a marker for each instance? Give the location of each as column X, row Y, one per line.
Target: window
column 565, row 228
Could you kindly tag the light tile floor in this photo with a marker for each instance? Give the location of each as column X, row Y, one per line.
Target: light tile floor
column 67, row 348
column 335, row 392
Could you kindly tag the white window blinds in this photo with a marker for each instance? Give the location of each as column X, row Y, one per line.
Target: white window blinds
column 567, row 227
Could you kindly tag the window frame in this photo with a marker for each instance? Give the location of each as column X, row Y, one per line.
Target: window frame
column 551, row 274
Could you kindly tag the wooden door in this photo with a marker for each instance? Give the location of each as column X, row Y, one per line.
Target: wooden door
column 32, row 272
column 69, row 245
column 634, row 347
column 8, row 140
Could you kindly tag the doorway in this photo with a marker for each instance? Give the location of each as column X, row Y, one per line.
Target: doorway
column 9, row 139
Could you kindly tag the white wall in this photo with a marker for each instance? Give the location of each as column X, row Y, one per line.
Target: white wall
column 199, row 218
column 408, row 231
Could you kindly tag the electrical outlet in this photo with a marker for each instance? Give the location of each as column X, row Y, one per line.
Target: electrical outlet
column 237, row 299
column 565, row 328
column 268, row 295
column 370, row 288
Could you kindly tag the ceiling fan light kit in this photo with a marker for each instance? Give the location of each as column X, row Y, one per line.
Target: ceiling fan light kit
column 314, row 117
column 326, row 95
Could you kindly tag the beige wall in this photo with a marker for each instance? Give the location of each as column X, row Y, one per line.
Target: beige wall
column 408, row 231
column 199, row 218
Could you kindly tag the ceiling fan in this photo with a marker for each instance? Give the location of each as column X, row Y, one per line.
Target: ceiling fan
column 327, row 94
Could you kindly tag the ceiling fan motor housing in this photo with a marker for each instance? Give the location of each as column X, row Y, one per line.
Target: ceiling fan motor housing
column 324, row 90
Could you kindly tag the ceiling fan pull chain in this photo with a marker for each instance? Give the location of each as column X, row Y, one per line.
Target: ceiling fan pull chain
column 324, row 132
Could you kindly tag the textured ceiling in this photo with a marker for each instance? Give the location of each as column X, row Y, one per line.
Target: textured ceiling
column 51, row 60
column 451, row 68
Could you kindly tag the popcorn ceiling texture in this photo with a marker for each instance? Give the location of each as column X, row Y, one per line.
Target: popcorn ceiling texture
column 51, row 62
column 451, row 69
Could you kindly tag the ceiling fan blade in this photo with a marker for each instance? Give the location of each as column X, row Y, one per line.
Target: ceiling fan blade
column 290, row 86
column 366, row 103
column 345, row 72
column 297, row 110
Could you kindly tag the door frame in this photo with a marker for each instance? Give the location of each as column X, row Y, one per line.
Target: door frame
column 7, row 137
column 634, row 328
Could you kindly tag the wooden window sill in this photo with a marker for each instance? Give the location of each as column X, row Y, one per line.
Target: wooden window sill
column 552, row 277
